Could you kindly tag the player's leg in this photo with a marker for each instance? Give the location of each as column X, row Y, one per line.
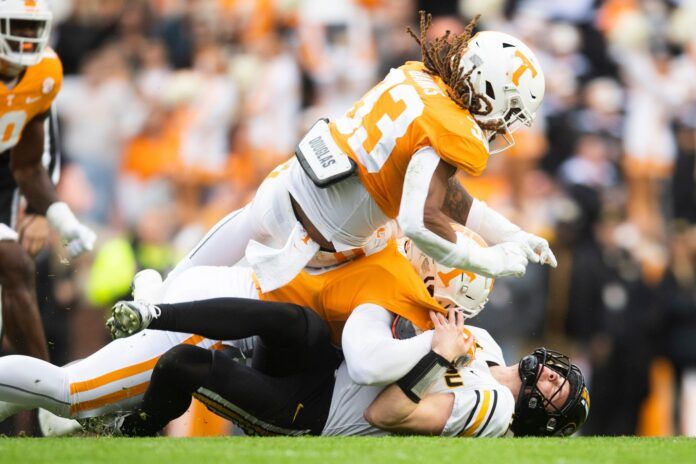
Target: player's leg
column 259, row 403
column 21, row 318
column 112, row 379
column 223, row 245
column 293, row 332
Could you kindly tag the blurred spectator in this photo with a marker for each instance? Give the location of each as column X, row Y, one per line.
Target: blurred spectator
column 174, row 111
column 100, row 111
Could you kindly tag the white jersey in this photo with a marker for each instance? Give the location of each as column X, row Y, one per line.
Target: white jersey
column 344, row 213
column 482, row 406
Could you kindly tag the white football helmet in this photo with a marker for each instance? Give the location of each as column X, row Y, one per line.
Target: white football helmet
column 464, row 290
column 25, row 26
column 509, row 74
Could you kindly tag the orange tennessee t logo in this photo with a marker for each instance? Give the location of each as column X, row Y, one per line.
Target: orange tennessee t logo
column 30, row 3
column 526, row 64
column 447, row 278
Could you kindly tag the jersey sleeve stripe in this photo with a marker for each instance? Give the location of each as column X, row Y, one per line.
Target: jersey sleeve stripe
column 490, row 416
column 471, row 415
column 481, row 414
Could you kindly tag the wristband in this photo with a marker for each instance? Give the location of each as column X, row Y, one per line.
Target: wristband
column 60, row 216
column 421, row 377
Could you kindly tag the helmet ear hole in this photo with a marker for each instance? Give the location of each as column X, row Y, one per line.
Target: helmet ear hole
column 451, row 288
column 489, row 90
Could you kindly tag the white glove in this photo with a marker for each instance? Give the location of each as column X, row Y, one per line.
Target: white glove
column 77, row 238
column 508, row 258
column 541, row 251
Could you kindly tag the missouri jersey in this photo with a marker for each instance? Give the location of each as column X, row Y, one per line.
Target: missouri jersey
column 32, row 96
column 385, row 278
column 407, row 111
column 482, row 407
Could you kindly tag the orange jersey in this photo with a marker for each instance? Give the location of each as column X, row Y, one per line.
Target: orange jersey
column 405, row 112
column 33, row 95
column 386, row 279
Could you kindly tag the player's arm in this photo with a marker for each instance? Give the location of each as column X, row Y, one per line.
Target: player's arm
column 480, row 412
column 404, row 407
column 35, row 184
column 422, row 219
column 495, row 228
column 373, row 355
column 394, row 412
column 29, row 173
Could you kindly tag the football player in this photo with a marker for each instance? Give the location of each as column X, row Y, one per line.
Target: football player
column 115, row 377
column 460, row 386
column 394, row 155
column 31, row 76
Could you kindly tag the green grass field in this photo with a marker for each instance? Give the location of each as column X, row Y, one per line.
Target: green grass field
column 346, row 450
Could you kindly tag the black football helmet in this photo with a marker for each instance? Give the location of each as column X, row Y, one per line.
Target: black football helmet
column 535, row 415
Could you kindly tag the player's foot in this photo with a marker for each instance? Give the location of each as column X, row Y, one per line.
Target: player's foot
column 147, row 286
column 129, row 317
column 56, row 426
column 109, row 425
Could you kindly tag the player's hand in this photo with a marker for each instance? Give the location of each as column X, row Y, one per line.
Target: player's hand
column 537, row 248
column 451, row 340
column 507, row 258
column 33, row 233
column 77, row 238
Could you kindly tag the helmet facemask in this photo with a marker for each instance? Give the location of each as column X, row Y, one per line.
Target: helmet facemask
column 535, row 414
column 514, row 118
column 24, row 36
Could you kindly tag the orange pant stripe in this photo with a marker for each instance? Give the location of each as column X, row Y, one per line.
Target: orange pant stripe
column 110, row 398
column 119, row 375
column 125, row 372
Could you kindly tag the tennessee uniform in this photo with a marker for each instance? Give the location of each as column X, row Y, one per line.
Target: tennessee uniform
column 32, row 96
column 115, row 377
column 409, row 110
column 482, row 406
column 386, row 279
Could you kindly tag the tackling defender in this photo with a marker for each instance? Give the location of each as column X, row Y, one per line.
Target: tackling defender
column 115, row 377
column 394, row 156
column 31, row 75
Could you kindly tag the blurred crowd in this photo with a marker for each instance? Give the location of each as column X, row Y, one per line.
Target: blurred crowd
column 173, row 111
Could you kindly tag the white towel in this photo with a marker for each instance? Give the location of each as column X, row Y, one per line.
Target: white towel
column 275, row 267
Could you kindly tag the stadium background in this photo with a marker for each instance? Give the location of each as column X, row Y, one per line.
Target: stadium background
column 173, row 111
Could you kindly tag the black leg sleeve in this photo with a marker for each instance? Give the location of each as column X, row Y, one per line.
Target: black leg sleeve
column 261, row 404
column 258, row 403
column 236, row 318
column 178, row 373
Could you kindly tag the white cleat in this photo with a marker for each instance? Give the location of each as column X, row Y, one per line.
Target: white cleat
column 56, row 426
column 147, row 286
column 130, row 317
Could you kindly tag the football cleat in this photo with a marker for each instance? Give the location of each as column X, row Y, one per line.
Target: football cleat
column 56, row 426
column 108, row 425
column 130, row 317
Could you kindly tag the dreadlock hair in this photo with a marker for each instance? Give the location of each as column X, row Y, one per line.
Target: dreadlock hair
column 442, row 57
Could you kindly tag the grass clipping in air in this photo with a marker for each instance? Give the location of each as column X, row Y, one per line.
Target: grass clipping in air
column 349, row 450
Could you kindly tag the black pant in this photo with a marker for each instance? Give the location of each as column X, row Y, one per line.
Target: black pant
column 287, row 391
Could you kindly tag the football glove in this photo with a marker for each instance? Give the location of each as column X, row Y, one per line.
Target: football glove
column 77, row 238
